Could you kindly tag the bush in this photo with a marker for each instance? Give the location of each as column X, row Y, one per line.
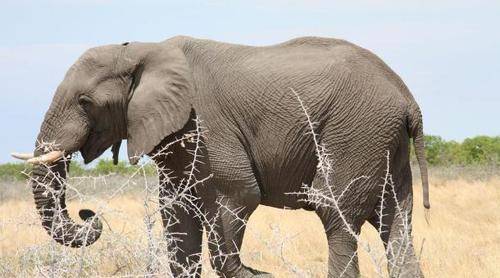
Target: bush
column 106, row 166
column 482, row 150
column 77, row 169
column 14, row 171
column 435, row 149
column 479, row 150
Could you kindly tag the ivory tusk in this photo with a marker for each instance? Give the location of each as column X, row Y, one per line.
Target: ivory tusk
column 22, row 156
column 47, row 158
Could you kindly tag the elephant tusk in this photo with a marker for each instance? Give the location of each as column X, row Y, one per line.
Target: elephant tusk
column 22, row 156
column 47, row 158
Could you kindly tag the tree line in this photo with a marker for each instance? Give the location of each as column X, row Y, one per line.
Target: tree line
column 479, row 150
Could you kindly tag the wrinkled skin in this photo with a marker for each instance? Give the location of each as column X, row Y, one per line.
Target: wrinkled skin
column 258, row 145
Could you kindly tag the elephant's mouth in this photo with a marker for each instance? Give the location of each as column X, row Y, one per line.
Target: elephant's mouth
column 95, row 146
column 90, row 153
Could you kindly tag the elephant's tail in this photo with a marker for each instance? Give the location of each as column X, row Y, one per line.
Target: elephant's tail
column 416, row 132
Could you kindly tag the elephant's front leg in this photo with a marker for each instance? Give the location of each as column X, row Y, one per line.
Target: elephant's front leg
column 229, row 198
column 180, row 211
column 183, row 233
column 225, row 235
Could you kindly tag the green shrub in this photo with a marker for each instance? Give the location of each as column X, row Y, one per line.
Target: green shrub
column 13, row 171
column 77, row 169
column 103, row 167
column 435, row 149
column 106, row 166
column 479, row 150
column 482, row 150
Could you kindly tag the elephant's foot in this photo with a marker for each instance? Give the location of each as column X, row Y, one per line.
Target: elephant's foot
column 246, row 271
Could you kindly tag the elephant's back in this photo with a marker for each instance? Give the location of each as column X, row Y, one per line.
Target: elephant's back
column 323, row 72
column 335, row 80
column 294, row 63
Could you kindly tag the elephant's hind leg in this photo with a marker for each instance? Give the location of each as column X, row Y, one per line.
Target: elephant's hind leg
column 342, row 246
column 397, row 227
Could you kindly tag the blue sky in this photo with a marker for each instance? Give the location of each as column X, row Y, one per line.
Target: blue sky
column 448, row 52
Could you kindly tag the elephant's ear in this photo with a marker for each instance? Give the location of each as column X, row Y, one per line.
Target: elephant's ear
column 160, row 101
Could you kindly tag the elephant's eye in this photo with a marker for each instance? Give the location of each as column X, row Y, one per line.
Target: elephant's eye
column 84, row 101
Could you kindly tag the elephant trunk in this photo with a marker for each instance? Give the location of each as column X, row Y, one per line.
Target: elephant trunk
column 48, row 185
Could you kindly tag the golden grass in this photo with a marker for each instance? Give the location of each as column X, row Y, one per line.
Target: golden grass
column 462, row 240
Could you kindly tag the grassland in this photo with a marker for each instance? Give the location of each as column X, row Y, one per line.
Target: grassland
column 462, row 239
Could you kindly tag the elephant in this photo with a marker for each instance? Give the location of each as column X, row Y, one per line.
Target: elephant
column 258, row 147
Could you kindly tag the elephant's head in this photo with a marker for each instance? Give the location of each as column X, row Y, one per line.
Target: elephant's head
column 135, row 91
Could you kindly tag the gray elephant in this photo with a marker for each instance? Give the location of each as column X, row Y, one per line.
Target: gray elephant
column 258, row 148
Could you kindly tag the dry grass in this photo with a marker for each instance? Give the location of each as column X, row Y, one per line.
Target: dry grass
column 462, row 240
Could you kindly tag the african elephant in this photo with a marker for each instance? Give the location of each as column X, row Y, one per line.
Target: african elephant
column 258, row 148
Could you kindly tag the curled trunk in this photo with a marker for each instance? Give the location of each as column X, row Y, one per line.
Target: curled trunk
column 48, row 185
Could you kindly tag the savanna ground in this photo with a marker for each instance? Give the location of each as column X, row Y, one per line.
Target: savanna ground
column 462, row 239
